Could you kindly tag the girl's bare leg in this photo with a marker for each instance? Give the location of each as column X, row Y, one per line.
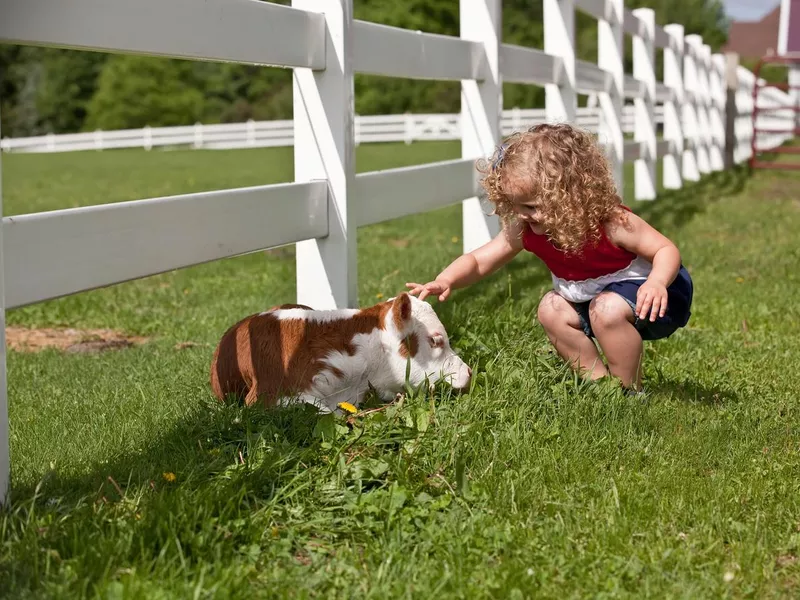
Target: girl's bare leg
column 612, row 323
column 563, row 327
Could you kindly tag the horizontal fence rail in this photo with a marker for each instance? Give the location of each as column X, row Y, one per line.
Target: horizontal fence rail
column 245, row 31
column 47, row 255
column 415, row 54
column 383, row 195
column 698, row 120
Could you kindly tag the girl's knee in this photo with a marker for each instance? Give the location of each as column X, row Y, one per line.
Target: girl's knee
column 554, row 311
column 609, row 310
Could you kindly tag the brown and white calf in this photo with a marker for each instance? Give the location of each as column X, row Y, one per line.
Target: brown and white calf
column 325, row 357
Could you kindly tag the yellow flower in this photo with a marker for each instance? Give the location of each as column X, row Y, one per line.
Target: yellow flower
column 169, row 477
column 347, row 406
column 454, row 239
column 739, row 279
column 379, row 296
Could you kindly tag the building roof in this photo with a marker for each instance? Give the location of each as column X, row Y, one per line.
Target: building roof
column 754, row 39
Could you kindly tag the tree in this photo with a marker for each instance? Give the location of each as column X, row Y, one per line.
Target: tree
column 134, row 91
column 46, row 89
column 68, row 82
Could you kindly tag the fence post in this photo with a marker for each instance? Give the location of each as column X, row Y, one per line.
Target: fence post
column 691, row 87
column 561, row 102
column 717, row 118
column 481, row 110
column 794, row 90
column 673, row 107
column 609, row 57
column 731, row 110
column 408, row 128
column 703, row 97
column 708, row 103
column 251, row 132
column 323, row 103
column 5, row 453
column 745, row 105
column 645, row 124
column 198, row 135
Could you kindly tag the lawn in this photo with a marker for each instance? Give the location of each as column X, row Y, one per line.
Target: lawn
column 130, row 481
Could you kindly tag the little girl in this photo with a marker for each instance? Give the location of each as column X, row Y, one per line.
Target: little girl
column 615, row 278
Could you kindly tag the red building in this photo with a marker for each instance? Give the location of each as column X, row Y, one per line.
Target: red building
column 754, row 39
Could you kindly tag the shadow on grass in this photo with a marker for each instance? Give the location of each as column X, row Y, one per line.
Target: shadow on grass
column 673, row 209
column 693, row 392
column 213, row 439
column 195, row 488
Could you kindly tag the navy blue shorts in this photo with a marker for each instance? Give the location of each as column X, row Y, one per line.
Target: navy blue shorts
column 679, row 304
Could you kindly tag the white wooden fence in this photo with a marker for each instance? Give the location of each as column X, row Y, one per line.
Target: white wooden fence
column 52, row 254
column 406, row 128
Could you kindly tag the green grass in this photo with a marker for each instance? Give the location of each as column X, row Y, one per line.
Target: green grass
column 531, row 484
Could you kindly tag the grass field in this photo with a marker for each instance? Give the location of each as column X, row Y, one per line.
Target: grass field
column 130, row 481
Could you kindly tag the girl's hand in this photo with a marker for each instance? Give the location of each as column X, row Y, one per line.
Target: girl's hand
column 440, row 287
column 651, row 298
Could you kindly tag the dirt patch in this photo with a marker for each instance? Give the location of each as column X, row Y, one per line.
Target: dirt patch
column 69, row 340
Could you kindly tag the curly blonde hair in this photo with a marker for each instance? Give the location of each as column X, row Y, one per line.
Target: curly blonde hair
column 561, row 169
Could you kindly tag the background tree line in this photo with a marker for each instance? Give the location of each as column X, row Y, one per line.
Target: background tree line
column 53, row 90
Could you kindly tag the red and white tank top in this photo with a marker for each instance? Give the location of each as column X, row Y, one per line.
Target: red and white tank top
column 580, row 277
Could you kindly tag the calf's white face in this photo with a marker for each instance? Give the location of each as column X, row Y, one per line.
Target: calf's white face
column 325, row 357
column 416, row 336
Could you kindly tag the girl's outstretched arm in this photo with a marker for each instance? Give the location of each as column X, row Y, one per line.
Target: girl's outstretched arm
column 473, row 266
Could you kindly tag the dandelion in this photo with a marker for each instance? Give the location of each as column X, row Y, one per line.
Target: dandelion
column 169, row 476
column 347, row 407
column 728, row 577
column 454, row 239
column 379, row 295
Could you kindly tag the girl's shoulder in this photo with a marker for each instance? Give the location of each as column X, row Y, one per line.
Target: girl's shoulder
column 618, row 219
column 618, row 216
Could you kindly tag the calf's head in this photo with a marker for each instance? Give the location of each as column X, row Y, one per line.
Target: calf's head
column 414, row 336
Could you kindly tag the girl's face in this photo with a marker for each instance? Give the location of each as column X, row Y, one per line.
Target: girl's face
column 527, row 211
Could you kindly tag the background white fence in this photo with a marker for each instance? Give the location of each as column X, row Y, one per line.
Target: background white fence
column 406, row 128
column 52, row 254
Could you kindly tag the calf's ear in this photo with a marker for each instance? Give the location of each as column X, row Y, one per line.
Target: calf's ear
column 401, row 312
